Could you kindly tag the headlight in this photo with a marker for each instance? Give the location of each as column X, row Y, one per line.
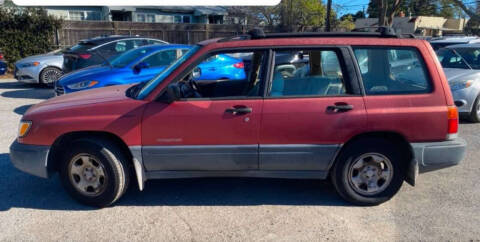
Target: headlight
column 30, row 64
column 82, row 85
column 23, row 128
column 457, row 85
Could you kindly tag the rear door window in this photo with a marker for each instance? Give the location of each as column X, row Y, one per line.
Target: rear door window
column 388, row 70
column 313, row 73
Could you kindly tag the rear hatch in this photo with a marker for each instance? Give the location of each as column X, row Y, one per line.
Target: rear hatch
column 80, row 56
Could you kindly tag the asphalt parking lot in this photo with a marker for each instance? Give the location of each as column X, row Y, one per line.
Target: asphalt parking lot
column 445, row 205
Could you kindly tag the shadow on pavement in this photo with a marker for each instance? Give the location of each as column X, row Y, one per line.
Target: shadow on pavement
column 18, row 85
column 36, row 93
column 25, row 191
column 22, row 109
column 31, row 91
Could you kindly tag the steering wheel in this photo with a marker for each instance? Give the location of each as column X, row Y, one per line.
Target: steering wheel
column 193, row 84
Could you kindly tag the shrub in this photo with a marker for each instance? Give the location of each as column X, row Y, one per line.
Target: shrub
column 25, row 32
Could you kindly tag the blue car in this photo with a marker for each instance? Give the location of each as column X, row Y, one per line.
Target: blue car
column 3, row 67
column 144, row 63
column 220, row 67
column 137, row 65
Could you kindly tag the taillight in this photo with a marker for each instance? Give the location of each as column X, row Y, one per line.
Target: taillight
column 239, row 65
column 452, row 122
column 85, row 56
column 1, row 56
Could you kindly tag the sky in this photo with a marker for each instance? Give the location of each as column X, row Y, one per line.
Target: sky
column 349, row 6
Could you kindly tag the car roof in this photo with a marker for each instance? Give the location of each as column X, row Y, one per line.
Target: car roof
column 105, row 39
column 456, row 39
column 476, row 45
column 257, row 37
column 156, row 47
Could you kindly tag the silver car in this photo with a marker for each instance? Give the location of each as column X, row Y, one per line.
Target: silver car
column 42, row 69
column 461, row 65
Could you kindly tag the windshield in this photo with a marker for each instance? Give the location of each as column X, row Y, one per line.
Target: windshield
column 128, row 57
column 150, row 85
column 449, row 58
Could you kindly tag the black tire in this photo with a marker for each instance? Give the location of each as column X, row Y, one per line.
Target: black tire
column 49, row 76
column 115, row 169
column 474, row 116
column 355, row 150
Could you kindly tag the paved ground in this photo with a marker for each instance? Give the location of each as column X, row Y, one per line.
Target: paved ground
column 445, row 205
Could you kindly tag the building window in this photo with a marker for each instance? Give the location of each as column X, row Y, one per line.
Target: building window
column 84, row 15
column 140, row 17
column 93, row 15
column 177, row 19
column 186, row 19
column 76, row 15
column 150, row 18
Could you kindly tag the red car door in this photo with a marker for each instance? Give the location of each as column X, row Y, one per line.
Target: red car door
column 217, row 128
column 310, row 112
column 201, row 135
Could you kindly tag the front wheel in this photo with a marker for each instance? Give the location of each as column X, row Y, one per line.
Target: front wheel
column 50, row 75
column 94, row 172
column 369, row 172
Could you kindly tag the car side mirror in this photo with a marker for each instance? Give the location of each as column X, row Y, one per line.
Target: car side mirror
column 172, row 94
column 197, row 72
column 138, row 68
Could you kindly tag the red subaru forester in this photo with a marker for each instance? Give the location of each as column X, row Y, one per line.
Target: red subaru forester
column 368, row 110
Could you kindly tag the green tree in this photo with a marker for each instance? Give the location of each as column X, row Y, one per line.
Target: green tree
column 25, row 32
column 296, row 15
column 346, row 23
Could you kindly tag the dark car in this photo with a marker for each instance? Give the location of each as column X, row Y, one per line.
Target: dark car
column 3, row 64
column 99, row 49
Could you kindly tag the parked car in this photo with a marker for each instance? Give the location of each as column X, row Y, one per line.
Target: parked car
column 461, row 64
column 142, row 64
column 368, row 131
column 98, row 50
column 219, row 68
column 3, row 64
column 3, row 67
column 136, row 65
column 441, row 42
column 42, row 69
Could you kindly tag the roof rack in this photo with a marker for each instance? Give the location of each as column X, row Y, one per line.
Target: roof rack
column 380, row 32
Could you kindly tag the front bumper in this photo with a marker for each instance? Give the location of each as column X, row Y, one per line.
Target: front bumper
column 31, row 159
column 27, row 74
column 437, row 155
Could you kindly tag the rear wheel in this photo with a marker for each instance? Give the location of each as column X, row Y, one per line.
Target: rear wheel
column 475, row 113
column 50, row 75
column 94, row 172
column 369, row 172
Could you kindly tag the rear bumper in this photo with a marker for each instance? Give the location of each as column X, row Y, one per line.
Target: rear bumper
column 438, row 155
column 31, row 159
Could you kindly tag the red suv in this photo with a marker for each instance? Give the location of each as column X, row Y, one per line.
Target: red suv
column 367, row 110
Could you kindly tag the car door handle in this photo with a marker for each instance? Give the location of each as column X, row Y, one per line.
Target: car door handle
column 239, row 110
column 340, row 108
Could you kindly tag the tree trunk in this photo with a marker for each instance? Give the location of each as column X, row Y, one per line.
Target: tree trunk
column 382, row 12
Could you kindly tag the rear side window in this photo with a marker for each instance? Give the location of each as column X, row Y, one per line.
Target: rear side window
column 307, row 73
column 392, row 71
